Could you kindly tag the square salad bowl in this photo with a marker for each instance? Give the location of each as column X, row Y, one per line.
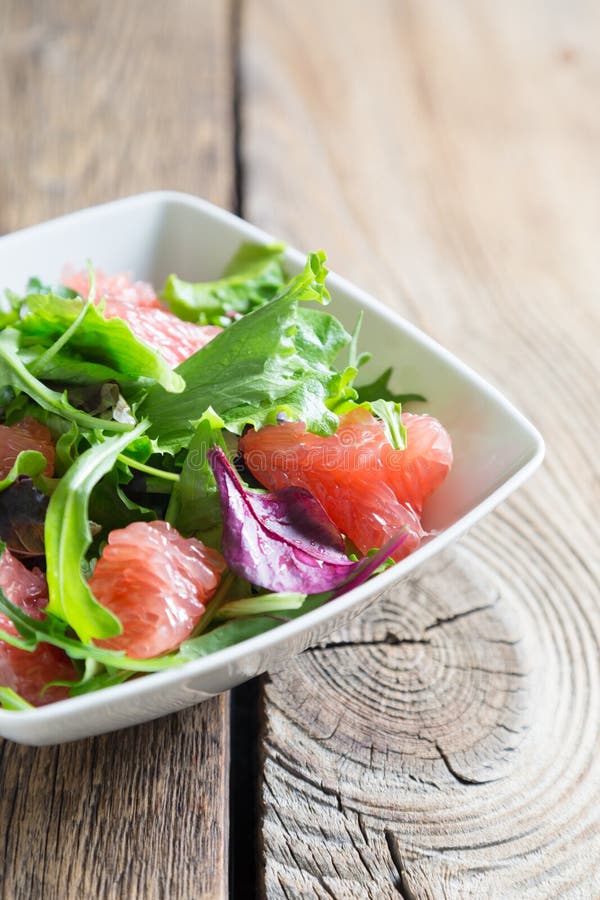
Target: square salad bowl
column 495, row 447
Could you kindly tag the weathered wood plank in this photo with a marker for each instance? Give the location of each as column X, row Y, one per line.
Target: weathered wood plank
column 446, row 156
column 97, row 102
column 137, row 813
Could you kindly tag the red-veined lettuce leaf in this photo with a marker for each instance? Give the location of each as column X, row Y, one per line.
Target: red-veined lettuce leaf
column 284, row 540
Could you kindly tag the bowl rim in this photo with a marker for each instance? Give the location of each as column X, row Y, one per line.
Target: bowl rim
column 370, row 589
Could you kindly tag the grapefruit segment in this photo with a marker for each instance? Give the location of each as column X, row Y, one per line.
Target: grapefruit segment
column 23, row 671
column 28, row 434
column 369, row 489
column 138, row 305
column 174, row 339
column 157, row 583
column 113, row 287
column 417, row 471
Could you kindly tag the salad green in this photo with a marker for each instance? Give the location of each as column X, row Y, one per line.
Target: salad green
column 136, row 440
column 252, row 278
column 285, row 365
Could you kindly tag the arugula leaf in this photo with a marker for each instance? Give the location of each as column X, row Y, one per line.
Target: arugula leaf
column 95, row 677
column 102, row 680
column 13, row 372
column 71, row 330
column 67, row 448
column 379, row 390
column 226, row 636
column 110, row 507
column 390, row 414
column 251, row 279
column 67, row 537
column 277, row 358
column 28, row 462
column 10, row 700
column 356, row 359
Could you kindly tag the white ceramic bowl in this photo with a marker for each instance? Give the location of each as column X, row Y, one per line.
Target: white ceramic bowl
column 495, row 447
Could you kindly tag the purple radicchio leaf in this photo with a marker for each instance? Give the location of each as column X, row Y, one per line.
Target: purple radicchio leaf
column 284, row 540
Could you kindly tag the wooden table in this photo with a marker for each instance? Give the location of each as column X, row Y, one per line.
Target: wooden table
column 446, row 154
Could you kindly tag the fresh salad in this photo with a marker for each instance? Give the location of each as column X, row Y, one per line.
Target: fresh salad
column 180, row 472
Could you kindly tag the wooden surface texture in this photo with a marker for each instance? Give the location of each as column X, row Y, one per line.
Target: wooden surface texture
column 99, row 101
column 446, row 156
column 446, row 745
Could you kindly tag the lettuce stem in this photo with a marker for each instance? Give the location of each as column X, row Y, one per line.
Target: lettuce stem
column 212, row 607
column 149, row 470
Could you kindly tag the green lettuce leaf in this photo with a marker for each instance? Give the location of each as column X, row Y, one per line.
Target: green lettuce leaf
column 14, row 372
column 194, row 508
column 10, row 304
column 252, row 278
column 67, row 538
column 108, row 345
column 37, row 286
column 278, row 358
column 319, row 338
column 39, row 364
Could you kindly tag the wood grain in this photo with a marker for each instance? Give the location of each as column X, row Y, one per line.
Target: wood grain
column 446, row 156
column 105, row 100
column 139, row 813
column 98, row 101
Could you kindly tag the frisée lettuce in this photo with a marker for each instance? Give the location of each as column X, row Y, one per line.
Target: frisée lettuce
column 277, row 359
column 252, row 278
